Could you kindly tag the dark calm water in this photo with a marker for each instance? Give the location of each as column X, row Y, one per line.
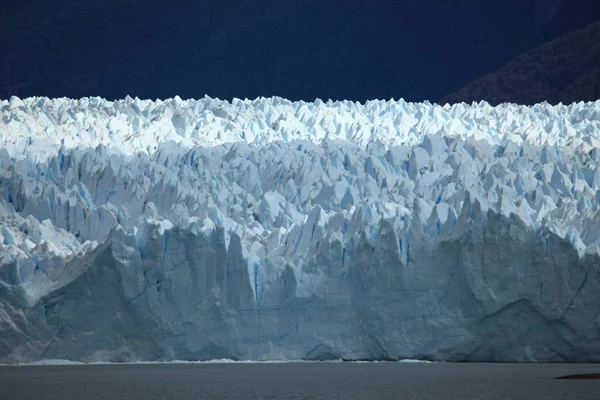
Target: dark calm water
column 298, row 381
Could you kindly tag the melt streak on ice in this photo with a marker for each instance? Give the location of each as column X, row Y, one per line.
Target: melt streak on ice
column 272, row 230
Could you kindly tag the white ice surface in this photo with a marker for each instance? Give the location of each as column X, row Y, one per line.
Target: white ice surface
column 301, row 192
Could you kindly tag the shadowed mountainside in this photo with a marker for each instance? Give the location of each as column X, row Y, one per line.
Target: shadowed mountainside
column 565, row 70
column 555, row 18
column 339, row 49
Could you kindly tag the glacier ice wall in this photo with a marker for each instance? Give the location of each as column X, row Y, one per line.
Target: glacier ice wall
column 267, row 229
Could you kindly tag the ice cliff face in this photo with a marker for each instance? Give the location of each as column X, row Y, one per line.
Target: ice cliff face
column 266, row 229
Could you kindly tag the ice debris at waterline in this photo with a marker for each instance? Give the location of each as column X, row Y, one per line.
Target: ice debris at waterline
column 268, row 230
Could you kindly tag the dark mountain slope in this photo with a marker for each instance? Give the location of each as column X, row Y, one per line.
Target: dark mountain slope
column 565, row 70
column 341, row 49
column 354, row 49
column 559, row 17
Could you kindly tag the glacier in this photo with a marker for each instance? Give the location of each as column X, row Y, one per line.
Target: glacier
column 266, row 229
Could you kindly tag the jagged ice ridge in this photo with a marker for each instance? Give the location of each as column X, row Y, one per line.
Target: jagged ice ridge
column 269, row 229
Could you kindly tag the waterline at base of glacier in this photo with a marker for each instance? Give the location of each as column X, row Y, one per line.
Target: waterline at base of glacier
column 62, row 363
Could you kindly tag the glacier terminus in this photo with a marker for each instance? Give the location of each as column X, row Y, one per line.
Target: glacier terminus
column 267, row 229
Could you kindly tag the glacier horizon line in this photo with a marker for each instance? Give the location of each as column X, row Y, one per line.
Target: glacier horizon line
column 328, row 101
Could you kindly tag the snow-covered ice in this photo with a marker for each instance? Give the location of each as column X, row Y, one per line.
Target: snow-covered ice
column 273, row 230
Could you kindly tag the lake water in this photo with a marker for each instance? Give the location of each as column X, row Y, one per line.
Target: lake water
column 298, row 381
